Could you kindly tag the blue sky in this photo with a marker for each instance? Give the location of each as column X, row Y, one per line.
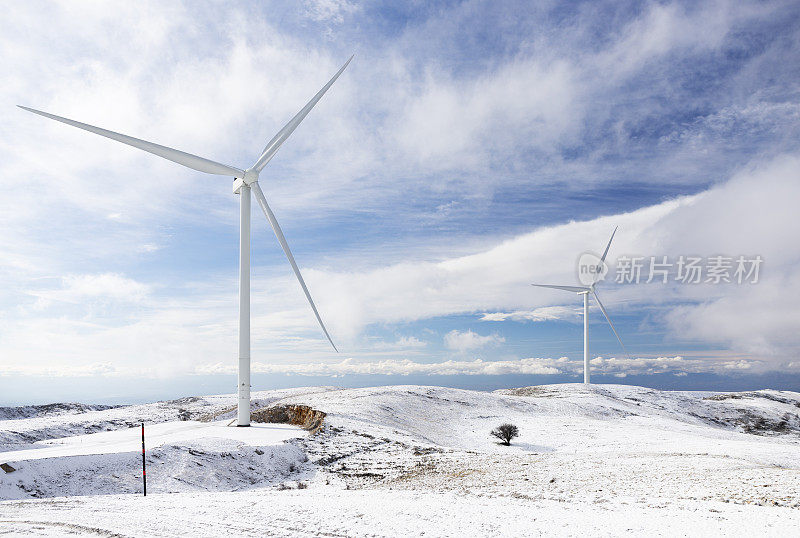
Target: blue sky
column 470, row 149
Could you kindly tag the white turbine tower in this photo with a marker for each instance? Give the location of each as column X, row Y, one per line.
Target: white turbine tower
column 244, row 182
column 585, row 291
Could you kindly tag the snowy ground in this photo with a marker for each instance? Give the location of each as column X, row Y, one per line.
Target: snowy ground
column 117, row 441
column 408, row 460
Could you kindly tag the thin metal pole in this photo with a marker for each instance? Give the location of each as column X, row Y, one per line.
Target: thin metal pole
column 144, row 474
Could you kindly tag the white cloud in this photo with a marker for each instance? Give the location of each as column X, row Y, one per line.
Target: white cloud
column 330, row 10
column 404, row 342
column 661, row 365
column 109, row 286
column 620, row 367
column 468, row 340
column 545, row 313
column 96, row 369
column 531, row 366
column 531, row 99
column 663, row 28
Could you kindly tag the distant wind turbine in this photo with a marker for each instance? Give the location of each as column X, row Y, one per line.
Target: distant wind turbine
column 244, row 182
column 585, row 291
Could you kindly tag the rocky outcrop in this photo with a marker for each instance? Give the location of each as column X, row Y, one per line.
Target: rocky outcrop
column 299, row 415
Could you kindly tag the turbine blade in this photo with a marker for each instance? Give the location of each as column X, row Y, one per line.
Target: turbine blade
column 186, row 159
column 576, row 289
column 603, row 257
column 608, row 319
column 274, row 145
column 262, row 201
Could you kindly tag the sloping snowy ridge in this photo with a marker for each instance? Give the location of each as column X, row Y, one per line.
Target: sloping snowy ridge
column 376, row 435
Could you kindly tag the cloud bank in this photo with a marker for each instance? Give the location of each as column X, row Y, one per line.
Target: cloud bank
column 438, row 179
column 620, row 367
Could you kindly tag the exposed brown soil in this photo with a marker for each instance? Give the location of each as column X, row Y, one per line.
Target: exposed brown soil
column 299, row 415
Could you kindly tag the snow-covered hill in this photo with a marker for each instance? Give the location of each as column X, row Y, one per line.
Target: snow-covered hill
column 11, row 413
column 599, row 459
column 21, row 426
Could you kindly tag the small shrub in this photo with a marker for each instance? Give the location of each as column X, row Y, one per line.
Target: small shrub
column 505, row 432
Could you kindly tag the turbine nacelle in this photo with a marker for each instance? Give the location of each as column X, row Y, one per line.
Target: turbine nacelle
column 250, row 177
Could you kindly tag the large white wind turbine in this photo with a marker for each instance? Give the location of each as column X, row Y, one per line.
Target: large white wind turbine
column 244, row 182
column 585, row 291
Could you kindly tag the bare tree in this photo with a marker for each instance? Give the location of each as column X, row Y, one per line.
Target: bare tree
column 505, row 432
